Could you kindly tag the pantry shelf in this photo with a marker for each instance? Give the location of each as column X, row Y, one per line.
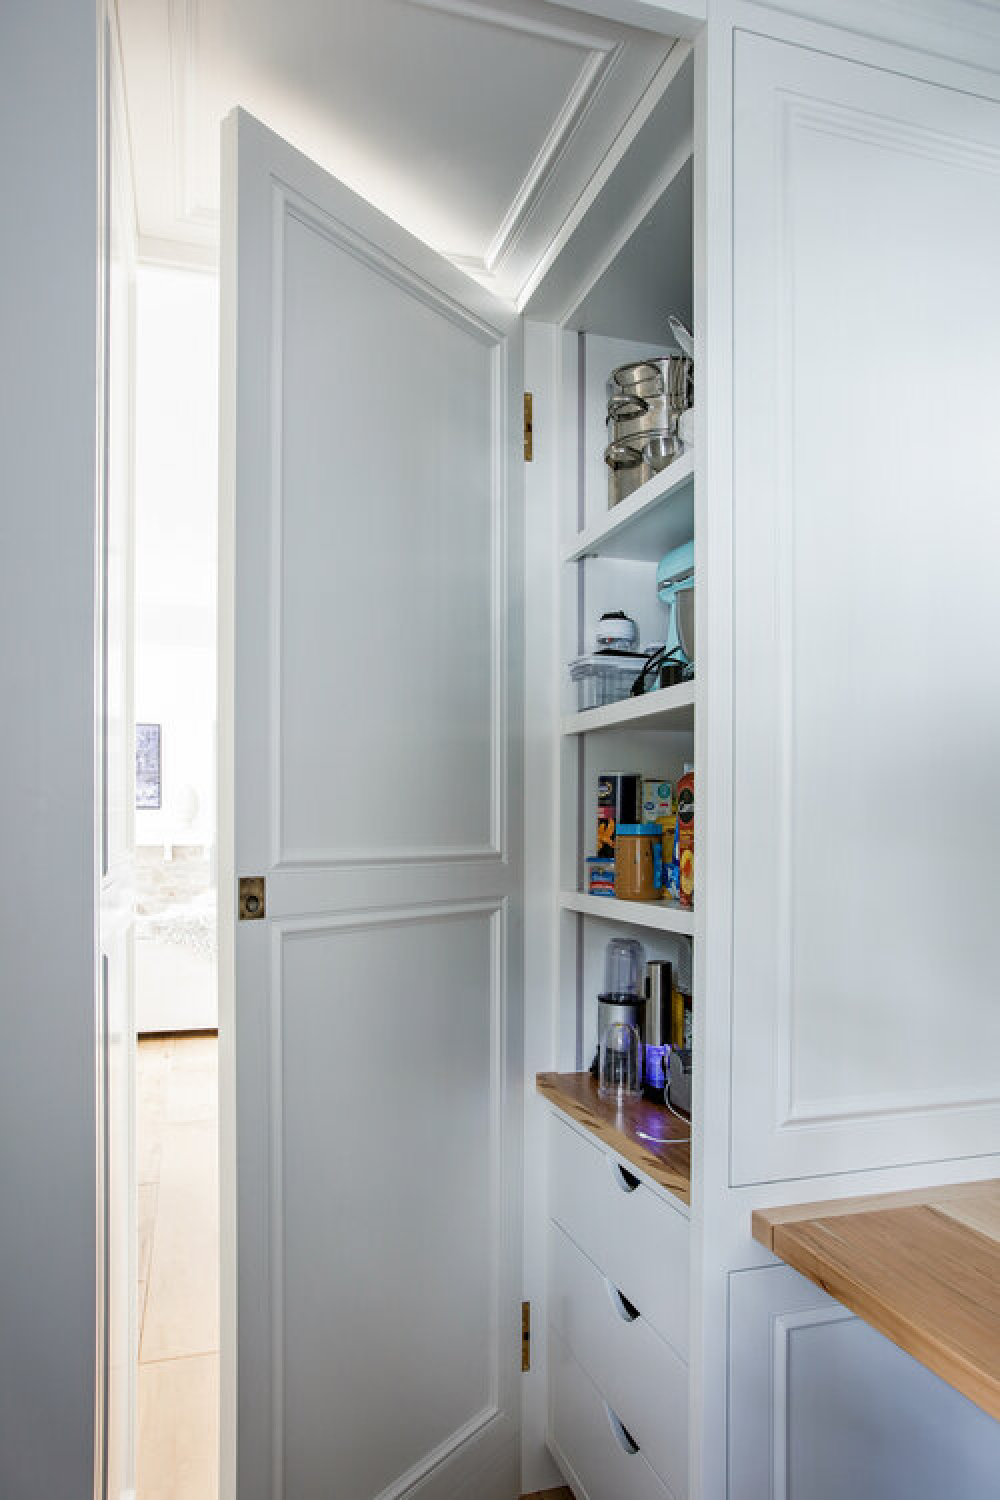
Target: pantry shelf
column 667, row 708
column 658, row 516
column 663, row 915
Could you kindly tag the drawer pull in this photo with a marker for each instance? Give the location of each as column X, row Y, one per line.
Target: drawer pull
column 626, row 1310
column 626, row 1180
column 626, row 1441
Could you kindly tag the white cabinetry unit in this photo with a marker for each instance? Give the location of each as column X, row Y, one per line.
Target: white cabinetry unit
column 618, row 1320
column 843, row 240
column 843, row 1412
column 821, row 205
column 866, row 621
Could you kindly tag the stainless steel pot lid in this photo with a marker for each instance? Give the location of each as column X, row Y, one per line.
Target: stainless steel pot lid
column 682, row 334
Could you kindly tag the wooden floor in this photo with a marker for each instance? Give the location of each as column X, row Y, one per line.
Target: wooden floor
column 177, row 1137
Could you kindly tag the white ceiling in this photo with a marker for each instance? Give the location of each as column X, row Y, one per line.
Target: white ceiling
column 476, row 125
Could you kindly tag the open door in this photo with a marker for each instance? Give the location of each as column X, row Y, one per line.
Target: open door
column 371, row 1009
column 115, row 1428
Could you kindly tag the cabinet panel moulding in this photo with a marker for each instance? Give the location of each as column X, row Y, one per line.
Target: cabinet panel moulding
column 289, row 206
column 600, row 56
column 287, row 932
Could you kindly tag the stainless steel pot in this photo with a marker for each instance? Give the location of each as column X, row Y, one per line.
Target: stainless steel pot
column 668, row 375
column 625, row 471
column 634, row 460
column 645, row 401
column 654, row 416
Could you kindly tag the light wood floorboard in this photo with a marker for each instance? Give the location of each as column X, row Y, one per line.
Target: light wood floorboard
column 179, row 1429
column 178, row 1270
column 193, row 1085
column 182, row 1300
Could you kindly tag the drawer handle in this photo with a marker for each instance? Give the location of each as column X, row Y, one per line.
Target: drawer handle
column 627, row 1181
column 626, row 1441
column 626, row 1310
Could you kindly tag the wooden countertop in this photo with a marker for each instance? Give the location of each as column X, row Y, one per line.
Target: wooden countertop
column 646, row 1134
column 923, row 1268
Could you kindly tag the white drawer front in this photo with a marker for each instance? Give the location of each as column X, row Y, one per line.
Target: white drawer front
column 635, row 1238
column 582, row 1435
column 638, row 1373
column 575, row 1166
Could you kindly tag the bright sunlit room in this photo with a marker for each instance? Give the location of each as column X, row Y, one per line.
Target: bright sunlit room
column 500, row 702
column 175, row 952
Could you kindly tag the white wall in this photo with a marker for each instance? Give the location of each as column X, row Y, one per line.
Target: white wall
column 177, row 359
column 48, row 408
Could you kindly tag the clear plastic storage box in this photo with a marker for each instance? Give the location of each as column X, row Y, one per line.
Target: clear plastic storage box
column 604, row 678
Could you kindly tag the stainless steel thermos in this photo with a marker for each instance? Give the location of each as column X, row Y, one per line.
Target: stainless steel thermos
column 658, row 986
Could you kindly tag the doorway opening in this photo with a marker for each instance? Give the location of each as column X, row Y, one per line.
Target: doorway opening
column 176, row 947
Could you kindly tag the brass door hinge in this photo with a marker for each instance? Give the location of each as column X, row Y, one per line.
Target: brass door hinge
column 525, row 1337
column 528, row 434
column 253, row 898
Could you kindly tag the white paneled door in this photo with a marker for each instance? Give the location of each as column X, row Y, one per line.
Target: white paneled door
column 866, row 617
column 372, row 1018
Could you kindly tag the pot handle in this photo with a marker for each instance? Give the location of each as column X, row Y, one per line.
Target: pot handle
column 622, row 456
column 626, row 408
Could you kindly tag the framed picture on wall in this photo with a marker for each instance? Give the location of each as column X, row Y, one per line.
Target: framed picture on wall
column 147, row 767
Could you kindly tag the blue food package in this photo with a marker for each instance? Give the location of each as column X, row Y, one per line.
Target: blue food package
column 600, row 876
column 672, row 872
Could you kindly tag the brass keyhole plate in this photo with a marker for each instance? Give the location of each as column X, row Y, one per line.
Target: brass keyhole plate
column 253, row 898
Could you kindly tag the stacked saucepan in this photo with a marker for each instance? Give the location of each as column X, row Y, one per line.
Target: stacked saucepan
column 645, row 402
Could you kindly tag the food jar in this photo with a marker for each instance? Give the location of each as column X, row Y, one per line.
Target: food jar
column 638, row 861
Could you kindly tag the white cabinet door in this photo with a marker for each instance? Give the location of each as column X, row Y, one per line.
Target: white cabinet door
column 372, row 461
column 823, row 1407
column 866, row 348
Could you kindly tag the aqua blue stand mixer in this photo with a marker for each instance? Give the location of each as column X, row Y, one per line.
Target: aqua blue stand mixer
column 675, row 589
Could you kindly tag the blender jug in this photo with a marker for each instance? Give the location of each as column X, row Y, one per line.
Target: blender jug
column 622, row 1001
column 619, row 1075
column 622, row 967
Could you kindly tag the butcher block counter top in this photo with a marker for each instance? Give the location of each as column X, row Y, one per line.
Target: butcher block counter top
column 921, row 1267
column 645, row 1134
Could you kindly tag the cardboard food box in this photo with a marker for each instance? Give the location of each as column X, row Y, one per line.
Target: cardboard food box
column 658, row 801
column 684, row 842
column 619, row 798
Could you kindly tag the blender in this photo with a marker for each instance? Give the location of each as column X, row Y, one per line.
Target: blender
column 620, row 1010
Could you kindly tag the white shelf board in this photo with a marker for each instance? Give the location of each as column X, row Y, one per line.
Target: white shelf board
column 640, row 528
column 663, row 915
column 666, row 708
